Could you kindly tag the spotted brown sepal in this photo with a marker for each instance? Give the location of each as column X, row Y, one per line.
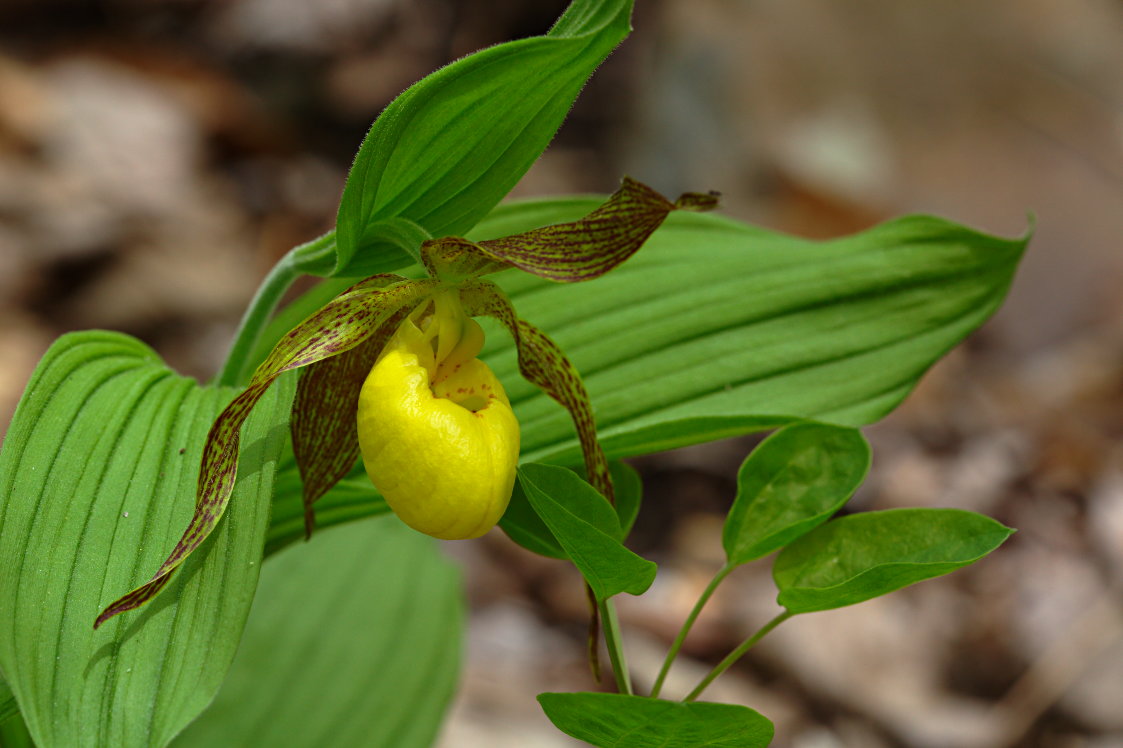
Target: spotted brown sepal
column 325, row 441
column 342, row 325
column 544, row 364
column 567, row 252
column 591, row 246
column 454, row 258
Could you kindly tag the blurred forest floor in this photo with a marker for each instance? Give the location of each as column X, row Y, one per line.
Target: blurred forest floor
column 157, row 158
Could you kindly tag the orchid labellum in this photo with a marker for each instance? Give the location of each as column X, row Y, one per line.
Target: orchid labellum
column 438, row 437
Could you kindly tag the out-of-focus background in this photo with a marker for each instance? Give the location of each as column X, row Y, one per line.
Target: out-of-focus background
column 157, row 157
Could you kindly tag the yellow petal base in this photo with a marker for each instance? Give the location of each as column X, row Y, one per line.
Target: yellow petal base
column 442, row 455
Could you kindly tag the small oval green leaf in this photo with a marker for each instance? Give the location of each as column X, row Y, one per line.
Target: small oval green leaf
column 792, row 482
column 526, row 528
column 523, row 525
column 629, row 494
column 863, row 556
column 587, row 528
column 611, row 720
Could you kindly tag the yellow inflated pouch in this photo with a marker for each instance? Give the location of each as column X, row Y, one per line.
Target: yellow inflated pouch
column 438, row 437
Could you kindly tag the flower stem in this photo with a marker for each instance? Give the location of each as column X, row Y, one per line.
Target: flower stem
column 736, row 654
column 269, row 294
column 686, row 626
column 615, row 647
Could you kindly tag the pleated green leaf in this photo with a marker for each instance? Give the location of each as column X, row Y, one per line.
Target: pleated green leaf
column 354, row 640
column 716, row 328
column 97, row 480
column 443, row 153
column 353, row 497
column 793, row 481
column 612, row 720
column 855, row 558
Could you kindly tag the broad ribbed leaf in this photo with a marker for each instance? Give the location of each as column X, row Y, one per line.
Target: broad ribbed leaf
column 353, row 497
column 97, row 480
column 794, row 480
column 453, row 145
column 612, row 720
column 587, row 529
column 354, row 640
column 716, row 328
column 855, row 558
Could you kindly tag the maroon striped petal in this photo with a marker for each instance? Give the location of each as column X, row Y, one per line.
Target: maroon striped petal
column 590, row 247
column 544, row 364
column 453, row 258
column 566, row 252
column 325, row 439
column 345, row 323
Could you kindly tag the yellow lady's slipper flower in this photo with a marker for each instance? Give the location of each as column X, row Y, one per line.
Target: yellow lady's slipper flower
column 434, row 427
column 437, row 434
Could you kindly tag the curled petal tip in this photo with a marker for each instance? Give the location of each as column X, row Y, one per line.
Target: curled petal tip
column 697, row 201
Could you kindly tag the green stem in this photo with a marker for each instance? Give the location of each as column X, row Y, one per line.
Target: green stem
column 615, row 647
column 736, row 654
column 686, row 626
column 269, row 294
